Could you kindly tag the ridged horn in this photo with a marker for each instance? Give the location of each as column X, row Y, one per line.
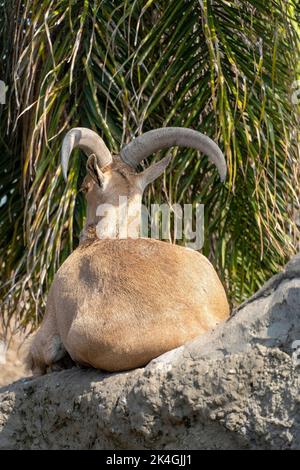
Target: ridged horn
column 88, row 141
column 152, row 141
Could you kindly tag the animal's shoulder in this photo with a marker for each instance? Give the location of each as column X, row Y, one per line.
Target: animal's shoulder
column 133, row 251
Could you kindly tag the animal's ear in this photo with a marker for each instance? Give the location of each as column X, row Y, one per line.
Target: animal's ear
column 154, row 171
column 94, row 170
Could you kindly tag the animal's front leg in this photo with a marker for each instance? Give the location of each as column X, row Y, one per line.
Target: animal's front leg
column 46, row 348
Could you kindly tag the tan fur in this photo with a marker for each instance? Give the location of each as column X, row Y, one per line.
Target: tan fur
column 120, row 180
column 115, row 304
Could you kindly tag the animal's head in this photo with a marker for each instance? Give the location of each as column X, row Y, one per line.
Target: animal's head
column 111, row 177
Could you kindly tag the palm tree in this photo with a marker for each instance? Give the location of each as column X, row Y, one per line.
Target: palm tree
column 123, row 67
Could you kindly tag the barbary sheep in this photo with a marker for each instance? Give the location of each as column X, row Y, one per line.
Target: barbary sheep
column 117, row 302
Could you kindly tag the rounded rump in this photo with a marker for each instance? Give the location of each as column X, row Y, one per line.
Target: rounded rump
column 120, row 303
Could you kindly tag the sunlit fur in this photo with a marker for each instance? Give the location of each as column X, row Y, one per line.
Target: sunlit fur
column 115, row 304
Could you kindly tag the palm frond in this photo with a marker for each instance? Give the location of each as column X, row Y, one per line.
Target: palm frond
column 125, row 67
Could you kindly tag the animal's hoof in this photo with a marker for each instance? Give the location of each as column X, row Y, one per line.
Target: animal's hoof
column 65, row 363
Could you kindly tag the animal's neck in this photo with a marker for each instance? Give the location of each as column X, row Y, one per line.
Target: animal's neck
column 119, row 220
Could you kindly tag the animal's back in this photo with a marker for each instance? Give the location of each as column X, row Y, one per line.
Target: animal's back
column 120, row 303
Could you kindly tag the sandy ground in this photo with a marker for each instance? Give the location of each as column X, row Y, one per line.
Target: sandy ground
column 11, row 361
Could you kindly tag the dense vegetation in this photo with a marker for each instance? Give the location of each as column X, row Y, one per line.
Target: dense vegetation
column 126, row 66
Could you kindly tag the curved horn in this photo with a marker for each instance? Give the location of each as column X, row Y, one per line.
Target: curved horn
column 88, row 141
column 155, row 140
